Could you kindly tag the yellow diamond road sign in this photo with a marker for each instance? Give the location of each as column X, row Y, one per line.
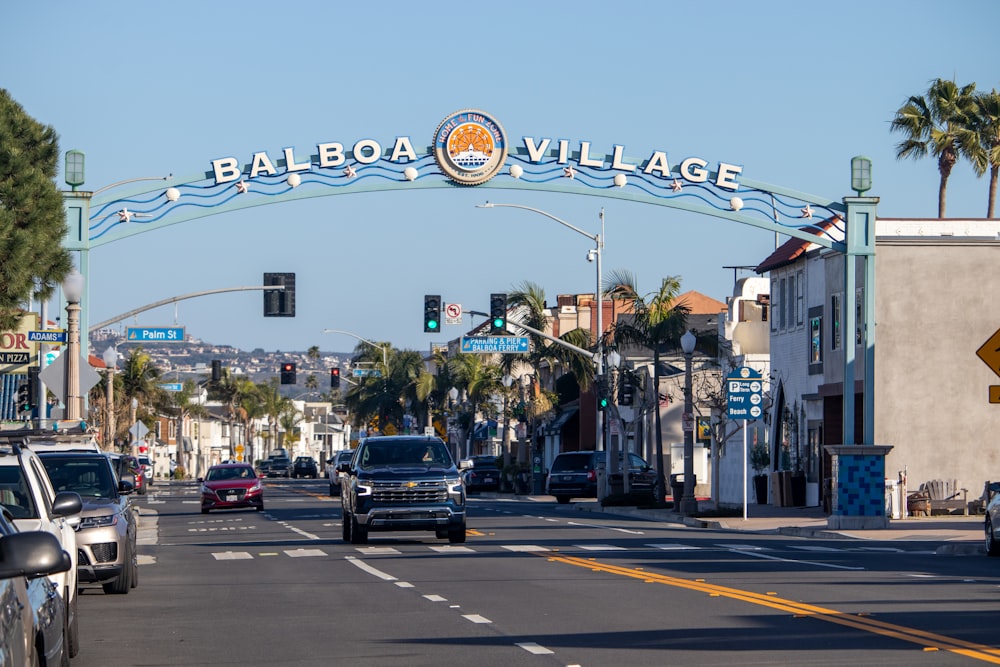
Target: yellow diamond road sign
column 990, row 352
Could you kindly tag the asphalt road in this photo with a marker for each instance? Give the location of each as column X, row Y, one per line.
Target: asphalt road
column 536, row 584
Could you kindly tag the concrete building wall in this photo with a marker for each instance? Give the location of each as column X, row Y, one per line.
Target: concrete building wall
column 935, row 307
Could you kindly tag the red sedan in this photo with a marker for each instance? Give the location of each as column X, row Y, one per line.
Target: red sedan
column 231, row 486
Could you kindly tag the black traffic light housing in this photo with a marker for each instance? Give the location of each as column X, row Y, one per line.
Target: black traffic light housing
column 601, row 389
column 216, row 370
column 335, row 378
column 498, row 314
column 279, row 303
column 432, row 313
column 288, row 373
column 23, row 402
column 626, row 390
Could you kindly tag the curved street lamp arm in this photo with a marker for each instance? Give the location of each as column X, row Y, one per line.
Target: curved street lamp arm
column 174, row 299
column 385, row 363
column 593, row 356
column 593, row 237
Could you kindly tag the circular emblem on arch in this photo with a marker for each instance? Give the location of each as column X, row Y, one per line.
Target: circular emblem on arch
column 470, row 146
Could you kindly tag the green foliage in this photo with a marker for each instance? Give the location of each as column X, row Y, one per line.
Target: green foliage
column 760, row 458
column 32, row 220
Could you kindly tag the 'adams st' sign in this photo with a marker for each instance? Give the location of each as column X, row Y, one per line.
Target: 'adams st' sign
column 471, row 147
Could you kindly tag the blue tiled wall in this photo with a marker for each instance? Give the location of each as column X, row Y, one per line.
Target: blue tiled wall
column 860, row 485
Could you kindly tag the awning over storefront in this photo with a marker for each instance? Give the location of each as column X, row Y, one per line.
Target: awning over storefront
column 485, row 430
column 556, row 426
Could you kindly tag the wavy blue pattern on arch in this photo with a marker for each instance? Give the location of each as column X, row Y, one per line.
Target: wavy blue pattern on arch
column 151, row 209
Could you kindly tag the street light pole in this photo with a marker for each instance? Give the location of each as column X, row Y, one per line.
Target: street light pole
column 110, row 357
column 385, row 363
column 689, row 504
column 73, row 291
column 594, row 256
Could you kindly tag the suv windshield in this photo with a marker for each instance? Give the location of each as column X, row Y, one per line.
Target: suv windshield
column 88, row 475
column 389, row 453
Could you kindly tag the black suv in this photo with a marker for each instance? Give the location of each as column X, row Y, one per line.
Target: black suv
column 574, row 475
column 305, row 466
column 485, row 474
column 279, row 466
column 403, row 483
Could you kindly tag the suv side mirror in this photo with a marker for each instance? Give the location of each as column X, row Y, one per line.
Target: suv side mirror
column 465, row 464
column 126, row 485
column 67, row 503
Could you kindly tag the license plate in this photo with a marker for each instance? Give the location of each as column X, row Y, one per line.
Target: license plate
column 487, row 480
column 567, row 478
column 231, row 499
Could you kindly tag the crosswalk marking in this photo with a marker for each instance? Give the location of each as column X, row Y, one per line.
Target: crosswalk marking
column 599, row 547
column 674, row 547
column 452, row 550
column 232, row 555
column 523, row 547
column 305, row 553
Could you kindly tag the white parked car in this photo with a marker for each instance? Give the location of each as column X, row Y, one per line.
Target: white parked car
column 27, row 495
column 335, row 477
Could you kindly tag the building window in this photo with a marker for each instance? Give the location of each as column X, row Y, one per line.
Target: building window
column 790, row 300
column 799, row 299
column 782, row 308
column 775, row 305
column 835, row 311
column 816, row 339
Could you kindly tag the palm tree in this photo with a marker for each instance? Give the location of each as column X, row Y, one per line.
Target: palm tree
column 289, row 420
column 181, row 404
column 273, row 405
column 987, row 153
column 658, row 322
column 938, row 124
column 139, row 381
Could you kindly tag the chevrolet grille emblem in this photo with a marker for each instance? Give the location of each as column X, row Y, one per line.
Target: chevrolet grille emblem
column 410, row 485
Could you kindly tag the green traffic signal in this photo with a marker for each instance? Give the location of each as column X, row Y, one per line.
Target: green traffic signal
column 432, row 324
column 603, row 403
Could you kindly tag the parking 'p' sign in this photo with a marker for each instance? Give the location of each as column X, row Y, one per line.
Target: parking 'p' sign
column 744, row 387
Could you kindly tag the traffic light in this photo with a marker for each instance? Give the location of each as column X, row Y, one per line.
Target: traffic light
column 626, row 391
column 335, row 378
column 279, row 303
column 498, row 314
column 23, row 402
column 601, row 389
column 216, row 370
column 432, row 313
column 288, row 373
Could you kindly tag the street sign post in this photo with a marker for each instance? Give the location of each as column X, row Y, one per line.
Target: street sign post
column 172, row 386
column 495, row 344
column 47, row 336
column 154, row 334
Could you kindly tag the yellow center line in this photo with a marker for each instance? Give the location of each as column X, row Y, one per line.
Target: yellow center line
column 921, row 637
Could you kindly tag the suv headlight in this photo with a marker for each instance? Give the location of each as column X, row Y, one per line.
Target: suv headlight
column 455, row 486
column 98, row 521
column 362, row 489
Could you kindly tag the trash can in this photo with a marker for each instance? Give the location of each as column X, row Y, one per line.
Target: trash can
column 677, row 487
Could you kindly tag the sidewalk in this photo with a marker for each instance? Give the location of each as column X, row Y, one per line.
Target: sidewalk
column 962, row 534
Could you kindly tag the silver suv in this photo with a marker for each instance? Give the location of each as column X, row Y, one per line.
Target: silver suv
column 106, row 537
column 28, row 497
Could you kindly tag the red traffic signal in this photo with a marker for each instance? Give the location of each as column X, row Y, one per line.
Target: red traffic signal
column 288, row 373
column 335, row 378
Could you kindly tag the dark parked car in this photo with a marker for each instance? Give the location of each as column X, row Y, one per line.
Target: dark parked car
column 403, row 483
column 574, row 475
column 231, row 486
column 305, row 466
column 279, row 466
column 484, row 475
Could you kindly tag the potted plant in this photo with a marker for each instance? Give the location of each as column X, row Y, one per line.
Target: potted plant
column 760, row 459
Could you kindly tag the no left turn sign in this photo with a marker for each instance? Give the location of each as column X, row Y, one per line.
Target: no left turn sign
column 453, row 313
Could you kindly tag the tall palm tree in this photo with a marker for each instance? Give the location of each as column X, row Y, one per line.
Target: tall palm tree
column 658, row 322
column 987, row 153
column 139, row 382
column 181, row 405
column 939, row 124
column 273, row 405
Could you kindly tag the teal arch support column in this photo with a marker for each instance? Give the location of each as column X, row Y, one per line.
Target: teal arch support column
column 859, row 469
column 77, row 207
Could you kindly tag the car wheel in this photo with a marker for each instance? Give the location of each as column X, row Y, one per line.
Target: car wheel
column 345, row 529
column 562, row 499
column 134, row 577
column 359, row 533
column 73, row 621
column 204, row 510
column 65, row 647
column 120, row 585
column 992, row 546
column 457, row 535
column 260, row 508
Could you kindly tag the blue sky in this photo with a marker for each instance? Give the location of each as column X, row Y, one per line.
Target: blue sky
column 789, row 90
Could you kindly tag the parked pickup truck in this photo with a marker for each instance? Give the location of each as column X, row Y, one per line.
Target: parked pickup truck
column 403, row 483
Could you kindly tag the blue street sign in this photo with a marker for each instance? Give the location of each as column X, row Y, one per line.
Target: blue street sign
column 743, row 389
column 366, row 373
column 173, row 386
column 495, row 344
column 48, row 336
column 154, row 334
